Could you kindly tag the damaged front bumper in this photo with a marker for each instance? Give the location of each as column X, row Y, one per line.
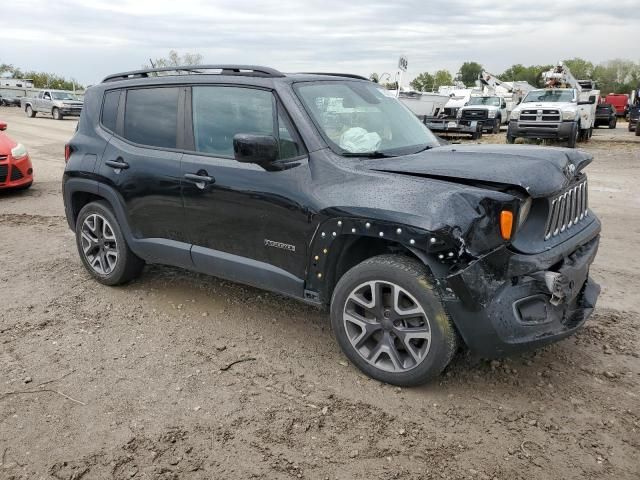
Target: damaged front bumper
column 506, row 302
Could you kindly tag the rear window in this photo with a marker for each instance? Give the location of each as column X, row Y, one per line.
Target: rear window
column 110, row 109
column 151, row 116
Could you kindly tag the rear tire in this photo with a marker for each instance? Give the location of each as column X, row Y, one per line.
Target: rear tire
column 613, row 124
column 56, row 114
column 390, row 323
column 637, row 131
column 29, row 111
column 103, row 248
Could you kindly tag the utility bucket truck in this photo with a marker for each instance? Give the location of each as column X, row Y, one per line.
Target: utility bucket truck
column 565, row 109
column 494, row 105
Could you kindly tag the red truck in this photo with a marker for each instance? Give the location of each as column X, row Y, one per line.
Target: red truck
column 620, row 101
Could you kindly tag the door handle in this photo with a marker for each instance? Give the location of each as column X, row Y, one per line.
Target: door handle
column 198, row 178
column 119, row 163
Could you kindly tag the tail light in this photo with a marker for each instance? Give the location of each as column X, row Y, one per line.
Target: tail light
column 68, row 150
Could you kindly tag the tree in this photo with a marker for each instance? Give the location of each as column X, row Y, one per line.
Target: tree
column 580, row 68
column 174, row 60
column 469, row 72
column 374, row 78
column 520, row 73
column 423, row 82
column 442, row 77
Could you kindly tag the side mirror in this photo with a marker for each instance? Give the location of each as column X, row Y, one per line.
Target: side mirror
column 3, row 126
column 259, row 149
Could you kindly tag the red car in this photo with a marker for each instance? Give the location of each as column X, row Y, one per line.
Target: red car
column 620, row 101
column 16, row 170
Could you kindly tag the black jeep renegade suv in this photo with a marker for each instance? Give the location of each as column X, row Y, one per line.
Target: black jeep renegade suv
column 325, row 188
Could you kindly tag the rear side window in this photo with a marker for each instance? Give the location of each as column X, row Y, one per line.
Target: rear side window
column 151, row 116
column 110, row 109
column 219, row 113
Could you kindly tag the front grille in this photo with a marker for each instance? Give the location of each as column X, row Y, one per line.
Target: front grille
column 544, row 115
column 4, row 169
column 16, row 174
column 567, row 209
column 475, row 114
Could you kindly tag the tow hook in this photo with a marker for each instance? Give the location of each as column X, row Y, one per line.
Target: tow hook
column 555, row 283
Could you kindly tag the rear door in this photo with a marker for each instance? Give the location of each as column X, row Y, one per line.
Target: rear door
column 256, row 216
column 142, row 161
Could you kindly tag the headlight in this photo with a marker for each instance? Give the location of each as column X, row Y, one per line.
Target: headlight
column 568, row 115
column 18, row 152
column 515, row 115
column 523, row 213
column 492, row 114
column 459, row 114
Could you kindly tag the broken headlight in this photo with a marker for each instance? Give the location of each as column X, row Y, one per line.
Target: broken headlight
column 523, row 212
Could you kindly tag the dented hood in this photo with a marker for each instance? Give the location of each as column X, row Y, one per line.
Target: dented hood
column 540, row 171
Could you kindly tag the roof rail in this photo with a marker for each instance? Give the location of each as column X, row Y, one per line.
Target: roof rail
column 347, row 75
column 242, row 70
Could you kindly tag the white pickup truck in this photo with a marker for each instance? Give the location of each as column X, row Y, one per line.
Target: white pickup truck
column 58, row 103
column 556, row 113
column 491, row 110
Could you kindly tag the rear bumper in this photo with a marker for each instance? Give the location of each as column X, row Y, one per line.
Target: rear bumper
column 505, row 302
column 540, row 129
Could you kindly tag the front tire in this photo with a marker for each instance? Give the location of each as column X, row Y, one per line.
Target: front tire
column 496, row 126
column 56, row 114
column 103, row 248
column 390, row 323
column 575, row 134
column 29, row 111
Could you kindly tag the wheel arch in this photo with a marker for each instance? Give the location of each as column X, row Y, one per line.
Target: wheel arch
column 341, row 244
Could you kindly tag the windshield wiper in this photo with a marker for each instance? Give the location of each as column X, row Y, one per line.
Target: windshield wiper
column 375, row 154
column 426, row 147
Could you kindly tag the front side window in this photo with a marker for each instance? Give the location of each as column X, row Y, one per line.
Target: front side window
column 151, row 116
column 220, row 113
column 110, row 109
column 362, row 118
column 553, row 95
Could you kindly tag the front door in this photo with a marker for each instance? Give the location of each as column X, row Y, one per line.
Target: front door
column 243, row 219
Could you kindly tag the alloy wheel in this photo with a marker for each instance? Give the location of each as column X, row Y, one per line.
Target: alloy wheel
column 99, row 244
column 387, row 326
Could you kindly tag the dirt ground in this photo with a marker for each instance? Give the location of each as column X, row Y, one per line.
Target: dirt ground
column 131, row 382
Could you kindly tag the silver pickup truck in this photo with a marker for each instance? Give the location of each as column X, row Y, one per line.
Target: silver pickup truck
column 58, row 103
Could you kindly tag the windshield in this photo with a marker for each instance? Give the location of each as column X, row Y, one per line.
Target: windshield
column 555, row 95
column 495, row 101
column 63, row 96
column 356, row 117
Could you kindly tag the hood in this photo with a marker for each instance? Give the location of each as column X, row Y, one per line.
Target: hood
column 545, row 105
column 539, row 171
column 480, row 107
column 6, row 144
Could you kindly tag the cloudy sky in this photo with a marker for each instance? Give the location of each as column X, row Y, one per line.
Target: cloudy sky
column 88, row 39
